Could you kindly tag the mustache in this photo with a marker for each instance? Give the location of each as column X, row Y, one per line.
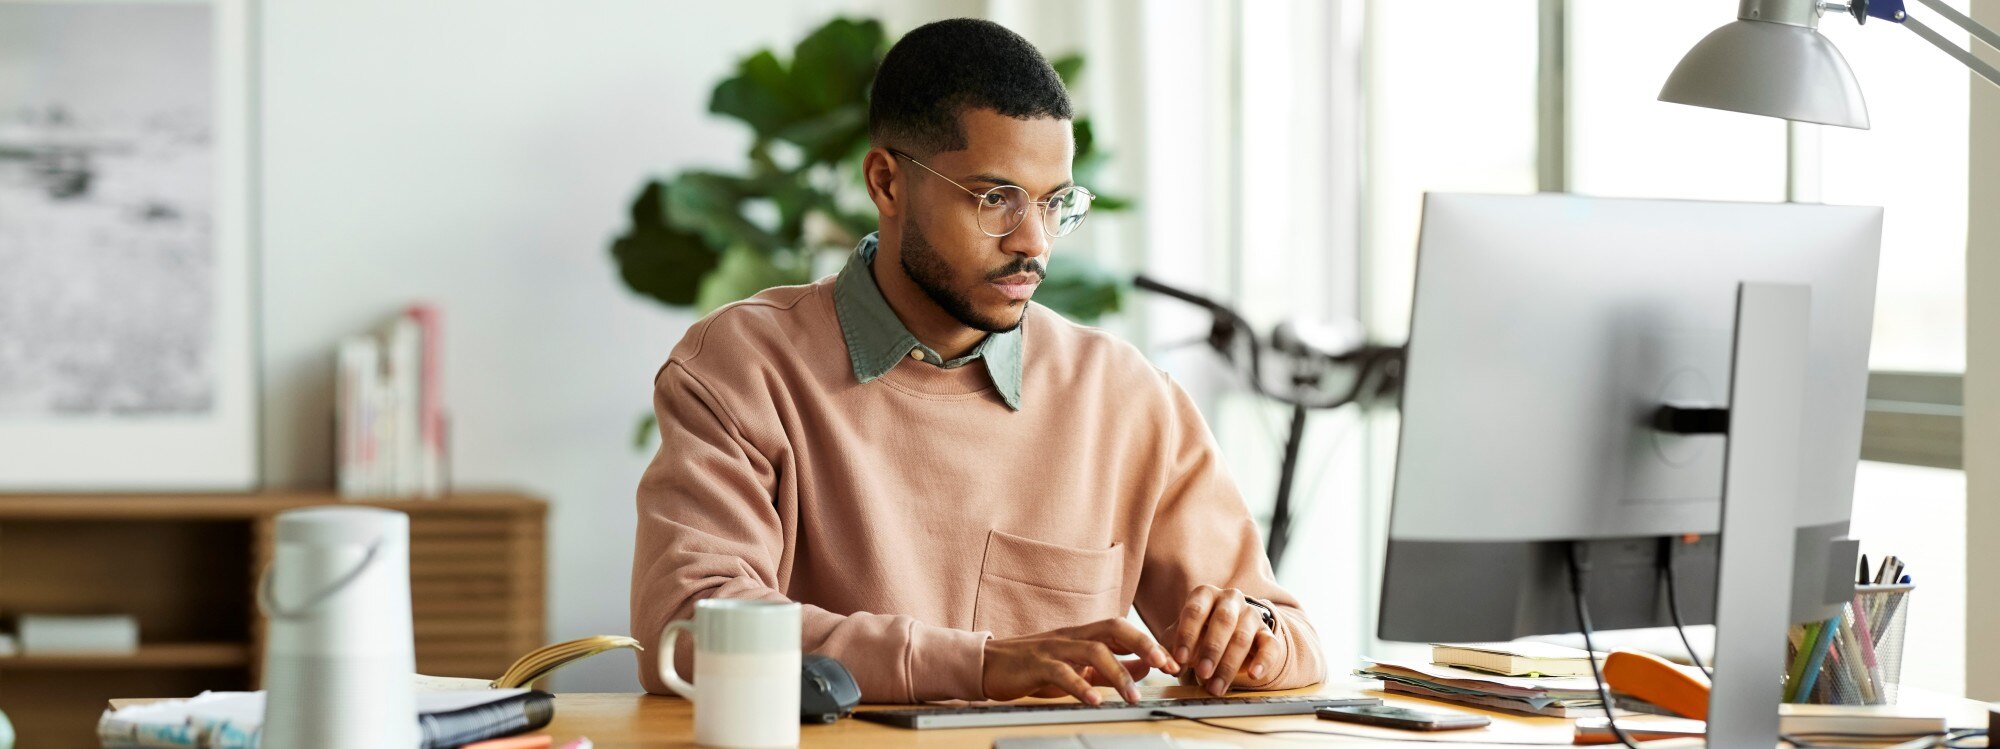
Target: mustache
column 1023, row 265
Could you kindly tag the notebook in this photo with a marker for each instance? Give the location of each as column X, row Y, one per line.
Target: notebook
column 534, row 666
column 1514, row 658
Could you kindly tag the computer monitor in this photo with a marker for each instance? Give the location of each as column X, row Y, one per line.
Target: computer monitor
column 1546, row 333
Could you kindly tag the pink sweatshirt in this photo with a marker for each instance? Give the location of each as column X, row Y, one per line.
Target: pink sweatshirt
column 915, row 516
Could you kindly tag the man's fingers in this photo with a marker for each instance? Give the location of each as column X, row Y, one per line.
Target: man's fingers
column 1138, row 669
column 1215, row 636
column 1188, row 627
column 1134, row 668
column 1264, row 657
column 1065, row 677
column 1125, row 637
column 1232, row 657
column 1098, row 656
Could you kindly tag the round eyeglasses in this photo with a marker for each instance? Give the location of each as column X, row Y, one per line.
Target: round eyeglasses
column 1003, row 208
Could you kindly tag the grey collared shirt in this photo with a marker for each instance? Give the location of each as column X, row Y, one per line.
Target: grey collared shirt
column 877, row 340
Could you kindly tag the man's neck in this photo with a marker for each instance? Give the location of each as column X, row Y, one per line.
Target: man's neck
column 924, row 319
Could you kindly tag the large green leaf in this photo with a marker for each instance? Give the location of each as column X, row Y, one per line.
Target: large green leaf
column 833, row 66
column 658, row 260
column 759, row 95
column 830, row 136
column 711, row 204
column 742, row 273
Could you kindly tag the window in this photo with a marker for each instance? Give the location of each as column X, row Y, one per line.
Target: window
column 1912, row 162
column 1451, row 107
column 1624, row 142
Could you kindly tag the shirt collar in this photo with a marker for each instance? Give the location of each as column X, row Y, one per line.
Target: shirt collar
column 877, row 340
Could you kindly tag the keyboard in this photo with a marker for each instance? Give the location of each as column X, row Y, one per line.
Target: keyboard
column 1111, row 711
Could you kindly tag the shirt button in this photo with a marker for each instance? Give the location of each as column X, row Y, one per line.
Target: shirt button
column 917, row 354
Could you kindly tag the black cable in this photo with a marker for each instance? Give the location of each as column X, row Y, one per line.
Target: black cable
column 1674, row 604
column 1576, row 570
column 1251, row 731
column 1335, row 734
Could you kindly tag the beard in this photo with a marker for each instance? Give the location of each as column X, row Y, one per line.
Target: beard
column 922, row 263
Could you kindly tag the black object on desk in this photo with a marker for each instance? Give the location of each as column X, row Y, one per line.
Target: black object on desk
column 827, row 692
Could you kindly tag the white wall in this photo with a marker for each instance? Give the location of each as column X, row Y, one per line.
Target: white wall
column 481, row 154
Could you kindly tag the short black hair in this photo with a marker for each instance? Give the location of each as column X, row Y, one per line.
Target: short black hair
column 942, row 68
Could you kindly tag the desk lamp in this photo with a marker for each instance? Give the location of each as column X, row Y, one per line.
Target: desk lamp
column 1774, row 62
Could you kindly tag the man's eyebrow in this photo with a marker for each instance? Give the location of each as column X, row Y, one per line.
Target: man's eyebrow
column 994, row 179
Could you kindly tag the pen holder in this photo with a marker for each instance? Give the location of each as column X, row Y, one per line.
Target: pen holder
column 1855, row 658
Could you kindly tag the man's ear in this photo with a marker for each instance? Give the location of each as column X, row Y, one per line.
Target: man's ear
column 878, row 171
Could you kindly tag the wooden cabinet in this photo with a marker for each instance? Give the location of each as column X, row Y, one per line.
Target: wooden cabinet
column 187, row 566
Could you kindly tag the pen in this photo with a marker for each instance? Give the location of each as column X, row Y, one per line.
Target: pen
column 1861, row 578
column 1819, row 649
column 1863, row 640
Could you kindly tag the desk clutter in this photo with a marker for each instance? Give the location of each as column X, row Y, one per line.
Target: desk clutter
column 1499, row 676
column 235, row 720
column 450, row 712
column 1860, row 664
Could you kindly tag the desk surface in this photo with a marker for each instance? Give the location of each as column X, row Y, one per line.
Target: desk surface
column 639, row 721
column 619, row 721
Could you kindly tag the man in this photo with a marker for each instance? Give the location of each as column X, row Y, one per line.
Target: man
column 966, row 491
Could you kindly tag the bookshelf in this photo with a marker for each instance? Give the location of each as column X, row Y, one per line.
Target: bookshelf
column 187, row 564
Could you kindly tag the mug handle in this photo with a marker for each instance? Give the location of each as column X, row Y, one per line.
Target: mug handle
column 673, row 678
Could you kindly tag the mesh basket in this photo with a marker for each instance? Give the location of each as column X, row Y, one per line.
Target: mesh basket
column 1856, row 659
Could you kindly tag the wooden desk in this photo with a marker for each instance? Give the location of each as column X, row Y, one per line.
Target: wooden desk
column 641, row 721
column 622, row 721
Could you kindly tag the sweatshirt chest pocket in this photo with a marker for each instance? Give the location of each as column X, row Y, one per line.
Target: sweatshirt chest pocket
column 1028, row 586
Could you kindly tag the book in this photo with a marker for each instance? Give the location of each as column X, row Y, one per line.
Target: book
column 389, row 409
column 534, row 666
column 53, row 634
column 1515, row 658
column 1555, row 709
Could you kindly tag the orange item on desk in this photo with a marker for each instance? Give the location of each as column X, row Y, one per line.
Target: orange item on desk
column 1655, row 680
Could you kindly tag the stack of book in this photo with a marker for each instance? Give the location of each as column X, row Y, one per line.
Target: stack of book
column 1557, row 696
column 1523, row 677
column 389, row 411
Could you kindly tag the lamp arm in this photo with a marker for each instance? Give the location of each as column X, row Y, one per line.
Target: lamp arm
column 1892, row 11
column 1963, row 21
column 1982, row 67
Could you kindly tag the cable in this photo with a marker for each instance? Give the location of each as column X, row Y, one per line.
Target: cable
column 1334, row 734
column 1251, row 731
column 1576, row 570
column 1674, row 604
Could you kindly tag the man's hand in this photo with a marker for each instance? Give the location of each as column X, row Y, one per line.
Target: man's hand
column 1224, row 637
column 1071, row 661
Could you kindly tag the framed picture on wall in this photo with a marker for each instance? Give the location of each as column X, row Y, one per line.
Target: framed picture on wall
column 127, row 357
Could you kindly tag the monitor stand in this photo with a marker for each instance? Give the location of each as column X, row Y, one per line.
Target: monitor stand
column 1759, row 497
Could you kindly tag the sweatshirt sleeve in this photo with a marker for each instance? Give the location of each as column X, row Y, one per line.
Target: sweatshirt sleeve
column 1202, row 534
column 710, row 526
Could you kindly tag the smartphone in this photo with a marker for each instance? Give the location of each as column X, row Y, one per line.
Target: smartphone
column 1403, row 717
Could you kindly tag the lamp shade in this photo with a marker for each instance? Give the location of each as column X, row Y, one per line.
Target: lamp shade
column 1768, row 68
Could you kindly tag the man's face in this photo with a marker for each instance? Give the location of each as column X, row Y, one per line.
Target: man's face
column 982, row 281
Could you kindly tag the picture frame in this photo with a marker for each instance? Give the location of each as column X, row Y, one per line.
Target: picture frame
column 128, row 357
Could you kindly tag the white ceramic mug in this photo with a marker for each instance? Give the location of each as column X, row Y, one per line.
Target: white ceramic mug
column 746, row 661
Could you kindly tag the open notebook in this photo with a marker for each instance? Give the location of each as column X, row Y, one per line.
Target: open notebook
column 532, row 667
